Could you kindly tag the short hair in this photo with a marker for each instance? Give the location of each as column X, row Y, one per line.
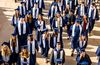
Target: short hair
column 93, row 4
column 58, row 43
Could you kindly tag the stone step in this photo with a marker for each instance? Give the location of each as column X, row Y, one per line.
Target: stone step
column 98, row 4
column 45, row 11
column 48, row 1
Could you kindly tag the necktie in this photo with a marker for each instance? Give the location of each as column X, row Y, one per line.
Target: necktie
column 31, row 48
column 58, row 54
column 82, row 43
column 22, row 10
column 21, row 28
column 13, row 49
column 35, row 12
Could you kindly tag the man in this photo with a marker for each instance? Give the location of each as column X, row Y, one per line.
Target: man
column 92, row 15
column 58, row 55
column 69, row 19
column 81, row 10
column 76, row 33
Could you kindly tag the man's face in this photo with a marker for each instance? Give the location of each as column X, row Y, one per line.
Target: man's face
column 58, row 46
column 34, row 5
column 58, row 15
